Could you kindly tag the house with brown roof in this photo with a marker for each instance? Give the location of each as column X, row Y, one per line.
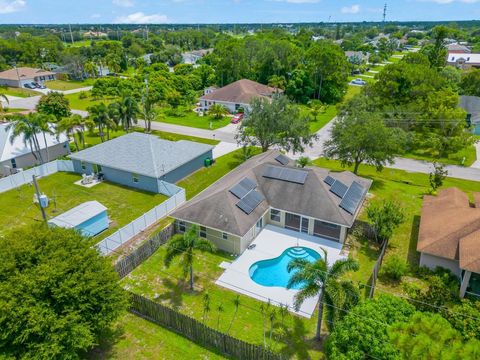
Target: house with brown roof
column 237, row 95
column 449, row 236
column 18, row 77
column 269, row 189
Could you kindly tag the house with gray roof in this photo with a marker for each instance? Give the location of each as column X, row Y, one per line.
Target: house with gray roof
column 143, row 161
column 269, row 189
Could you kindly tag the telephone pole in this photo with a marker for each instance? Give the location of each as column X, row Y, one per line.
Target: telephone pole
column 71, row 35
column 37, row 191
column 384, row 14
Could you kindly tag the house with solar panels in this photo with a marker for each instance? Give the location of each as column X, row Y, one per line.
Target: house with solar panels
column 269, row 189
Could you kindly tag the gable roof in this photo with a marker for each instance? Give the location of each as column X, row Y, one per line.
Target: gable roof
column 142, row 154
column 241, row 92
column 24, row 73
column 216, row 207
column 11, row 150
column 450, row 227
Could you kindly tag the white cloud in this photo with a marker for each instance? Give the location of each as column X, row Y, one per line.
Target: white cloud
column 354, row 9
column 11, row 6
column 123, row 3
column 141, row 18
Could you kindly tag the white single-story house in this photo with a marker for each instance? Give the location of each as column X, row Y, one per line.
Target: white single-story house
column 16, row 154
column 269, row 189
column 143, row 161
column 236, row 95
column 18, row 77
column 449, row 236
column 464, row 61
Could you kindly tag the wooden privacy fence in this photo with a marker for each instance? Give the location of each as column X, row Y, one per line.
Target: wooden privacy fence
column 376, row 268
column 197, row 331
column 130, row 262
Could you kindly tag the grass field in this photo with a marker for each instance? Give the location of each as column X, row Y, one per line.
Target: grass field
column 82, row 104
column 19, row 92
column 322, row 119
column 124, row 204
column 407, row 189
column 136, row 338
column 63, row 85
column 191, row 119
column 464, row 157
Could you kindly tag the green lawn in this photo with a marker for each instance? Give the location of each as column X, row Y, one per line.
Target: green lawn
column 408, row 190
column 63, row 85
column 77, row 103
column 464, row 157
column 79, row 43
column 351, row 92
column 322, row 119
column 124, row 204
column 192, row 119
column 136, row 338
column 19, row 92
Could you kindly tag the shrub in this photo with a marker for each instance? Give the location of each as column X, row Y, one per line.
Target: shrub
column 394, row 268
column 83, row 95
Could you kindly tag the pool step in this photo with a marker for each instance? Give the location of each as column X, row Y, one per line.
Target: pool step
column 298, row 253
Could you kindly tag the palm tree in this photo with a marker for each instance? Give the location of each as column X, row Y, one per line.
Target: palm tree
column 303, row 161
column 149, row 114
column 316, row 108
column 26, row 126
column 236, row 302
column 91, row 69
column 43, row 123
column 184, row 246
column 126, row 111
column 3, row 96
column 69, row 125
column 101, row 117
column 317, row 277
column 217, row 111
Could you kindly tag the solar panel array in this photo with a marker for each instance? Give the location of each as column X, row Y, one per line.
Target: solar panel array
column 243, row 188
column 282, row 159
column 286, row 174
column 352, row 198
column 339, row 188
column 329, row 180
column 250, row 201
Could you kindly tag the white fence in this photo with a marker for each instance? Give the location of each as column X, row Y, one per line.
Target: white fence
column 126, row 233
column 25, row 177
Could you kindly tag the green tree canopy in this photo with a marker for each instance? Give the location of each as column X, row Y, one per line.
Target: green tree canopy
column 276, row 122
column 54, row 103
column 470, row 83
column 57, row 294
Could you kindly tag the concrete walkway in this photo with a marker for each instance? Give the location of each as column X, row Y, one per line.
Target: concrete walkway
column 219, row 134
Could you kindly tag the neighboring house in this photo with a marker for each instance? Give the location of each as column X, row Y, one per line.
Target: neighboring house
column 191, row 57
column 143, row 161
column 449, row 236
column 464, row 61
column 17, row 155
column 457, row 48
column 269, row 189
column 95, row 34
column 236, row 95
column 471, row 104
column 18, row 77
column 357, row 57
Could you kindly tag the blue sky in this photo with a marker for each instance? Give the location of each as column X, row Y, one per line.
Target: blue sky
column 223, row 11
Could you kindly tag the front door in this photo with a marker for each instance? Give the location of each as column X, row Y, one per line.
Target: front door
column 292, row 221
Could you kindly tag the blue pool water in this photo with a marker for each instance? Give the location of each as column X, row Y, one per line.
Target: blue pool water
column 273, row 272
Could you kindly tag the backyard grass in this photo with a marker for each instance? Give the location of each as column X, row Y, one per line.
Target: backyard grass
column 464, row 157
column 351, row 92
column 63, row 85
column 192, row 119
column 77, row 103
column 407, row 189
column 18, row 92
column 124, row 204
column 322, row 119
column 136, row 338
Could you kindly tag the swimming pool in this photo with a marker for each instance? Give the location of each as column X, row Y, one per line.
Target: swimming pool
column 273, row 272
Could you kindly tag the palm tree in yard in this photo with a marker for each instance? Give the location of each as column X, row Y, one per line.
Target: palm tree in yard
column 70, row 125
column 318, row 277
column 43, row 122
column 217, row 111
column 26, row 126
column 4, row 97
column 184, row 246
column 100, row 116
column 126, row 110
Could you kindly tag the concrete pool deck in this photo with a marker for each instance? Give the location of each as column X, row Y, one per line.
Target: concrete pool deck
column 271, row 243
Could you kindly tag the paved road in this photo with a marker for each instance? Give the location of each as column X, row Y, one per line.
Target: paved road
column 221, row 135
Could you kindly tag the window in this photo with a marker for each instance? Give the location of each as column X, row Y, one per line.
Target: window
column 14, row 163
column 97, row 168
column 84, row 166
column 135, row 178
column 275, row 215
column 203, row 231
column 224, row 236
column 181, row 226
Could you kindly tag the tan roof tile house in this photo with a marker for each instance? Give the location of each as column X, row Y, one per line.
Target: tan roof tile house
column 18, row 77
column 449, row 235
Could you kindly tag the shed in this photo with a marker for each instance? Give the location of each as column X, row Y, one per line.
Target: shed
column 89, row 218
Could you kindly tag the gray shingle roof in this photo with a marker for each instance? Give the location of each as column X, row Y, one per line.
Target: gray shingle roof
column 216, row 207
column 142, row 154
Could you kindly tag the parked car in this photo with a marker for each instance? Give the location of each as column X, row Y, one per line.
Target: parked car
column 237, row 118
column 359, row 82
column 38, row 85
column 29, row 86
